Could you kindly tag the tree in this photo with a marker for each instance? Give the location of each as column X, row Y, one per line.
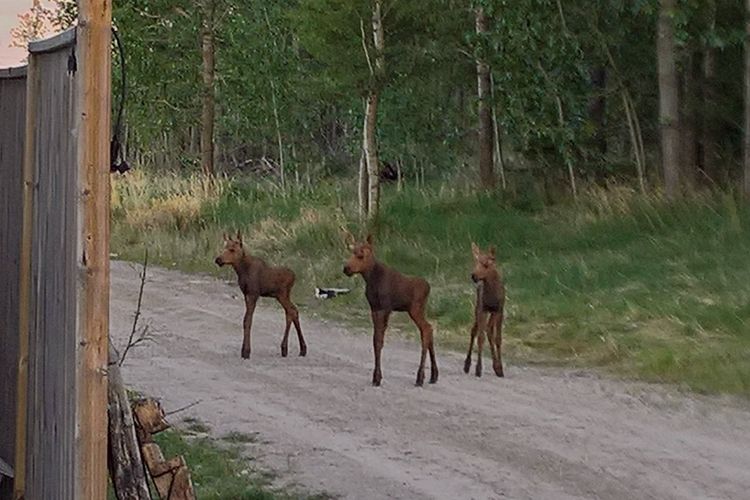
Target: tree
column 668, row 98
column 484, row 96
column 746, row 160
column 32, row 25
column 208, row 57
column 369, row 140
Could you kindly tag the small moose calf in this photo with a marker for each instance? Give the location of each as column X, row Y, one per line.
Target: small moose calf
column 258, row 279
column 488, row 314
column 387, row 290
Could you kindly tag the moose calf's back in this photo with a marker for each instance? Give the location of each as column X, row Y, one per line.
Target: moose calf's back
column 255, row 277
column 388, row 289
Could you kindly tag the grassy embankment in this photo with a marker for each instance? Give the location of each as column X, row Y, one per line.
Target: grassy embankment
column 221, row 468
column 622, row 281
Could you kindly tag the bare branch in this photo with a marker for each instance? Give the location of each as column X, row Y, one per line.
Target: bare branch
column 132, row 340
column 186, row 407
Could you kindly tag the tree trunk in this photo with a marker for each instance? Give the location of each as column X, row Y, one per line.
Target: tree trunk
column 370, row 145
column 691, row 78
column 709, row 137
column 668, row 98
column 498, row 144
column 279, row 142
column 709, row 143
column 363, row 186
column 208, row 52
column 637, row 154
column 125, row 464
column 598, row 108
column 370, row 148
column 746, row 139
column 484, row 94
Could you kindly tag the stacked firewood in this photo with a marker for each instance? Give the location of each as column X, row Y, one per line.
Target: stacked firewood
column 133, row 453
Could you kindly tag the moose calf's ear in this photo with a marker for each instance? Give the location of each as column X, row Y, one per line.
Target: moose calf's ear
column 474, row 249
column 349, row 239
column 239, row 236
column 369, row 239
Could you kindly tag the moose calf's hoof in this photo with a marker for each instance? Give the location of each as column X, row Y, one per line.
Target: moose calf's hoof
column 245, row 354
column 478, row 371
column 434, row 377
column 467, row 366
column 283, row 352
column 303, row 351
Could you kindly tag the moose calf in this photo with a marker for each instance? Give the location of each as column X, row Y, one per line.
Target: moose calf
column 387, row 290
column 258, row 279
column 488, row 314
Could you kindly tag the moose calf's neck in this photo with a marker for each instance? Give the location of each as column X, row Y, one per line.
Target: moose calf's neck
column 491, row 292
column 374, row 274
column 246, row 263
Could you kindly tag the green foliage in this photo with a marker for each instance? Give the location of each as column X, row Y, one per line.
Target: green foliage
column 622, row 281
column 221, row 471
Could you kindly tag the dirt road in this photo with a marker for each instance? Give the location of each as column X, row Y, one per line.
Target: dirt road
column 537, row 434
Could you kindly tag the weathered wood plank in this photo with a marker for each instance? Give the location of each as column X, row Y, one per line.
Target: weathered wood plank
column 50, row 433
column 13, row 111
column 24, row 283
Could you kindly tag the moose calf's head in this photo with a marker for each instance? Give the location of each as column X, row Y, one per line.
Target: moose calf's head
column 232, row 253
column 362, row 258
column 484, row 263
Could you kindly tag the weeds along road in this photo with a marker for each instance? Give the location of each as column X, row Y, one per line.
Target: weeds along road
column 538, row 433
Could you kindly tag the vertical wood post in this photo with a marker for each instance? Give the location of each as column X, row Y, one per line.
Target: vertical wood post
column 94, row 92
column 24, row 284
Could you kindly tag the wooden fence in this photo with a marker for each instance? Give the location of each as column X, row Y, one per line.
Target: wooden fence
column 54, row 263
column 12, row 111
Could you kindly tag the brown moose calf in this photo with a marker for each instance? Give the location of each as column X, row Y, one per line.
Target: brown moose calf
column 488, row 313
column 258, row 279
column 387, row 290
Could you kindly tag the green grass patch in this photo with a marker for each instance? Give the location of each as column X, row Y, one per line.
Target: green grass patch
column 620, row 281
column 221, row 470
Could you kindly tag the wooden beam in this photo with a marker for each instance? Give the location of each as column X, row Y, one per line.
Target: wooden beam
column 24, row 282
column 94, row 92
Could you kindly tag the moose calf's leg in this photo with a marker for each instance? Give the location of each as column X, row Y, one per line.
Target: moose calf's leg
column 380, row 322
column 425, row 332
column 480, row 346
column 422, row 359
column 467, row 363
column 491, row 331
column 300, row 338
column 285, row 339
column 433, row 361
column 247, row 324
column 497, row 364
column 292, row 316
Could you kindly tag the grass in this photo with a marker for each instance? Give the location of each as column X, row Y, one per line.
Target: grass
column 620, row 281
column 220, row 470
